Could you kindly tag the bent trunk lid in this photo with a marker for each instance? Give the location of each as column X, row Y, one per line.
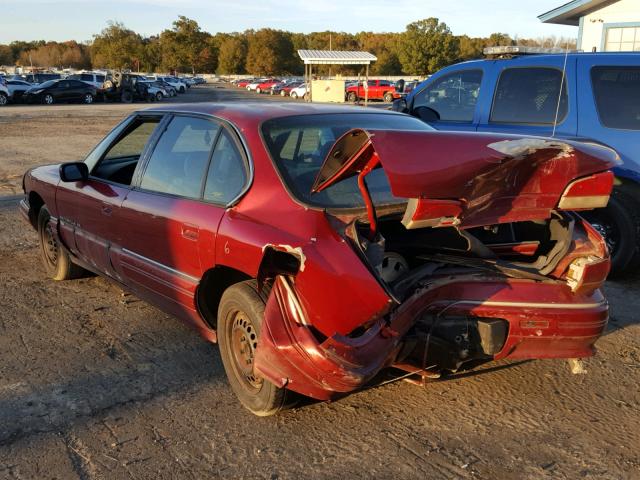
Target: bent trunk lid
column 466, row 179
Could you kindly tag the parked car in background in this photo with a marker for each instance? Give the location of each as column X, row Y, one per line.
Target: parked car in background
column 55, row 91
column 382, row 243
column 597, row 101
column 376, row 90
column 94, row 79
column 244, row 82
column 17, row 88
column 266, row 85
column 299, row 92
column 36, row 78
column 155, row 91
column 4, row 92
column 254, row 85
column 180, row 87
column 283, row 89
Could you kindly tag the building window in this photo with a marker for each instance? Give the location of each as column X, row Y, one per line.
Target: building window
column 622, row 39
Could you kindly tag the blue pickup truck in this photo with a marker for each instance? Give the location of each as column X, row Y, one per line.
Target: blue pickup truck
column 598, row 100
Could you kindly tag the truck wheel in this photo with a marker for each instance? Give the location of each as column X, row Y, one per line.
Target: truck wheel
column 240, row 317
column 126, row 97
column 352, row 97
column 388, row 97
column 55, row 258
column 619, row 224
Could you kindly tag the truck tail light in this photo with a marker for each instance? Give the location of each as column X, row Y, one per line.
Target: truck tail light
column 587, row 193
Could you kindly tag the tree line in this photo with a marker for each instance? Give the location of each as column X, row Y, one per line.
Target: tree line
column 423, row 48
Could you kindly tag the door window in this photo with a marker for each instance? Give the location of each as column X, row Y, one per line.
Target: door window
column 617, row 95
column 227, row 173
column 119, row 161
column 529, row 96
column 180, row 158
column 454, row 96
column 86, row 77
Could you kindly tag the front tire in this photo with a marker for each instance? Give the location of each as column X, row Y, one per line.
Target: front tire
column 352, row 97
column 294, row 95
column 258, row 90
column 388, row 97
column 55, row 258
column 159, row 96
column 48, row 99
column 240, row 317
column 3, row 99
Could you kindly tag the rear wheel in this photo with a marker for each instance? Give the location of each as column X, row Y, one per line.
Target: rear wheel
column 88, row 98
column 283, row 93
column 388, row 97
column 258, row 90
column 619, row 224
column 240, row 317
column 294, row 95
column 55, row 258
column 159, row 96
column 352, row 97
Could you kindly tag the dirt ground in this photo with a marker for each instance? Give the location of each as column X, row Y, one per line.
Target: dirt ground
column 95, row 383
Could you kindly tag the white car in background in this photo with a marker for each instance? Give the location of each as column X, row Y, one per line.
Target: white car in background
column 92, row 78
column 180, row 87
column 4, row 93
column 158, row 93
column 17, row 88
column 253, row 85
column 299, row 92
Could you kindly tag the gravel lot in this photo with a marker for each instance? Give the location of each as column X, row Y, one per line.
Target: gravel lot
column 95, row 383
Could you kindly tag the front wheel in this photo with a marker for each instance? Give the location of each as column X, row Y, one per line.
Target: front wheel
column 55, row 258
column 388, row 97
column 48, row 99
column 3, row 99
column 182, row 90
column 283, row 93
column 159, row 96
column 240, row 317
column 294, row 95
column 352, row 97
column 258, row 90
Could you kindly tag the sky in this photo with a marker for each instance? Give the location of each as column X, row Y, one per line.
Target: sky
column 80, row 19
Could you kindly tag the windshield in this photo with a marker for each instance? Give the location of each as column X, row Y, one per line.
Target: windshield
column 299, row 145
column 47, row 84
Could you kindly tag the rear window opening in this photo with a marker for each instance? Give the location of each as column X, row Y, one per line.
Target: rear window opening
column 617, row 95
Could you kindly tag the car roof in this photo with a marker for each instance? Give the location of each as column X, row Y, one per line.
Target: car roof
column 255, row 113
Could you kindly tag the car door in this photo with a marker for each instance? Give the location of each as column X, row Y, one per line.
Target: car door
column 88, row 210
column 62, row 91
column 527, row 99
column 173, row 215
column 454, row 96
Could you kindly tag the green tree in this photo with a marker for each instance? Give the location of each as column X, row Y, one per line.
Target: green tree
column 6, row 55
column 232, row 54
column 183, row 47
column 116, row 47
column 470, row 48
column 426, row 46
column 270, row 52
column 499, row 40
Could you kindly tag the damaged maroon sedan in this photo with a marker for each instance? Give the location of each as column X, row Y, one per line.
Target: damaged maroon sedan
column 320, row 245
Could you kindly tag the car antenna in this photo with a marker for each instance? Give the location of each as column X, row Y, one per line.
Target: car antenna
column 564, row 74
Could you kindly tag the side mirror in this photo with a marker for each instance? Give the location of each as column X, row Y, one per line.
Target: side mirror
column 74, row 172
column 400, row 86
column 400, row 105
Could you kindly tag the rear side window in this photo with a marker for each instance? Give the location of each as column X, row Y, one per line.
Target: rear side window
column 227, row 173
column 180, row 158
column 617, row 96
column 453, row 96
column 86, row 77
column 529, row 96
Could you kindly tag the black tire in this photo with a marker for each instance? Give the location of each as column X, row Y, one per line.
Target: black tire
column 87, row 99
column 352, row 97
column 240, row 315
column 388, row 97
column 294, row 95
column 48, row 99
column 55, row 258
column 159, row 96
column 182, row 90
column 3, row 99
column 127, row 96
column 619, row 224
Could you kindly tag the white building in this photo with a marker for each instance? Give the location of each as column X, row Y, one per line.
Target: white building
column 604, row 25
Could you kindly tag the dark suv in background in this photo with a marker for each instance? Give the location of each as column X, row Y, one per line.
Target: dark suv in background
column 598, row 100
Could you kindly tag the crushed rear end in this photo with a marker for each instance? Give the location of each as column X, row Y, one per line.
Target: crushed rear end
column 485, row 260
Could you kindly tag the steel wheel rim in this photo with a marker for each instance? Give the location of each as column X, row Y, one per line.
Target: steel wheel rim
column 50, row 245
column 243, row 342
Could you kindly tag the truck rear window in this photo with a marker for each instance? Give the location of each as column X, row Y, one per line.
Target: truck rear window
column 617, row 95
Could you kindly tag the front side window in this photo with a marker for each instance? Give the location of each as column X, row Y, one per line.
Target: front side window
column 299, row 144
column 453, row 96
column 530, row 96
column 179, row 160
column 119, row 162
column 617, row 96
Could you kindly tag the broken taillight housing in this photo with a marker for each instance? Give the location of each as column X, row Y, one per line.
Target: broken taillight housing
column 587, row 193
column 585, row 274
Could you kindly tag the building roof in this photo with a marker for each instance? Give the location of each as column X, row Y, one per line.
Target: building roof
column 570, row 13
column 336, row 57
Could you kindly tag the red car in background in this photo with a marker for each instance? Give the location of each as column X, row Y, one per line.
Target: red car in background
column 243, row 83
column 266, row 85
column 319, row 244
column 376, row 90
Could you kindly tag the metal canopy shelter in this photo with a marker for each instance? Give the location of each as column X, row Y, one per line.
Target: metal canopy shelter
column 334, row 57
